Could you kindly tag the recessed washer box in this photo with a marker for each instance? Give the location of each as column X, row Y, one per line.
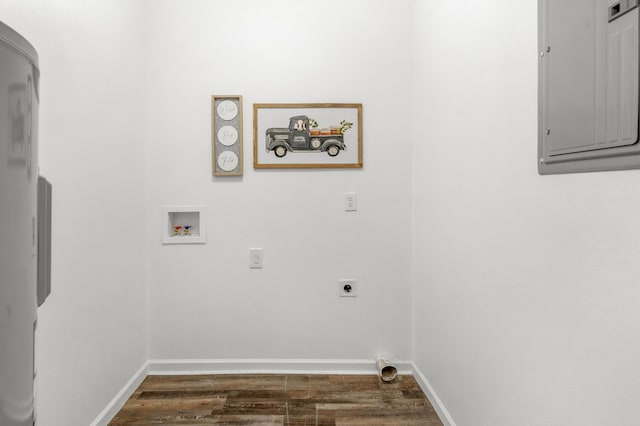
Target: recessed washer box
column 588, row 85
column 183, row 225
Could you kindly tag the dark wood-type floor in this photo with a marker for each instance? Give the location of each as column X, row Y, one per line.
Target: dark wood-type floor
column 277, row 400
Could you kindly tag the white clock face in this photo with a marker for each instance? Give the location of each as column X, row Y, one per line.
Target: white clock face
column 227, row 135
column 227, row 110
column 228, row 161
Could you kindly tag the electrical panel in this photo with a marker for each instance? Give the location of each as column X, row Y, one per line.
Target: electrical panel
column 588, row 85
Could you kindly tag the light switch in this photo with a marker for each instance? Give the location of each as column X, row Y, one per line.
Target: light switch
column 255, row 258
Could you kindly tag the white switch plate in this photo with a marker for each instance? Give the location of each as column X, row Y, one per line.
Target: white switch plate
column 256, row 256
column 352, row 290
column 350, row 202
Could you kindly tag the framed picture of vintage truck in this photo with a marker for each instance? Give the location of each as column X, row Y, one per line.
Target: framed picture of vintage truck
column 307, row 136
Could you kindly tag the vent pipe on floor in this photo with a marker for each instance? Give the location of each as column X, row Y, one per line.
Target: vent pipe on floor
column 386, row 369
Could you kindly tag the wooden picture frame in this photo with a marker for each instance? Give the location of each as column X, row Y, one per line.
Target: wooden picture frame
column 313, row 135
column 226, row 135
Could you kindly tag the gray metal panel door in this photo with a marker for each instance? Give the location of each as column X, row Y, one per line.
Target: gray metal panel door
column 589, row 77
column 569, row 75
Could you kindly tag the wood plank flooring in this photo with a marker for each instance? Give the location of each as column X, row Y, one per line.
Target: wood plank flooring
column 277, row 400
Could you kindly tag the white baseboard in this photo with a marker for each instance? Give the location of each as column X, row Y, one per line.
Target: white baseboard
column 268, row 366
column 121, row 397
column 428, row 390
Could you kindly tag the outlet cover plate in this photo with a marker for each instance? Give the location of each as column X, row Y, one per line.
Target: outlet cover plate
column 344, row 282
column 350, row 202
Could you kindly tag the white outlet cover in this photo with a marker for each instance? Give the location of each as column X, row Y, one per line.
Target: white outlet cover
column 350, row 202
column 342, row 282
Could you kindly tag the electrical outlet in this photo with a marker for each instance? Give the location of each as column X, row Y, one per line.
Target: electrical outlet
column 350, row 202
column 347, row 287
column 256, row 256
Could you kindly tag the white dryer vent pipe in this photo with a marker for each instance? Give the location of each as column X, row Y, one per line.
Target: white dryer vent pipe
column 386, row 369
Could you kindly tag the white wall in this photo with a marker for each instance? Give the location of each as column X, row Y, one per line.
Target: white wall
column 526, row 287
column 205, row 303
column 92, row 328
column 125, row 128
